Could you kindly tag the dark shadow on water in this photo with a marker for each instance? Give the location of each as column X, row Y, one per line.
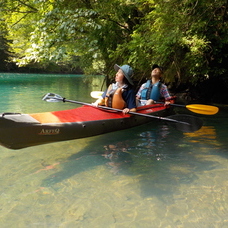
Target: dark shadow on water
column 115, row 156
column 161, row 157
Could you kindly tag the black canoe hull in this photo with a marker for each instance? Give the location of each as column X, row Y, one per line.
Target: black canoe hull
column 19, row 131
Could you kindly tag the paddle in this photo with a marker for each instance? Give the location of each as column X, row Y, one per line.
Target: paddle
column 96, row 94
column 185, row 123
column 197, row 108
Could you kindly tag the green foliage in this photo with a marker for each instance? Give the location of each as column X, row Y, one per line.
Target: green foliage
column 4, row 47
column 189, row 38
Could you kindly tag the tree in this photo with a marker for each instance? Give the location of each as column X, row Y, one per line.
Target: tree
column 4, row 48
column 189, row 38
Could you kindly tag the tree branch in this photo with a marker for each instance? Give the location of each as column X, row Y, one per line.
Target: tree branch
column 29, row 6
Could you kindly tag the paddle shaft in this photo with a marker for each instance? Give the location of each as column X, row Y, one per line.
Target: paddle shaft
column 119, row 110
column 184, row 123
column 177, row 105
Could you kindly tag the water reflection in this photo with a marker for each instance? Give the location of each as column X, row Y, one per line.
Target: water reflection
column 207, row 134
column 117, row 151
column 155, row 156
column 118, row 156
column 153, row 140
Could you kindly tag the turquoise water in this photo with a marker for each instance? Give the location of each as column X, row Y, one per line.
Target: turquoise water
column 148, row 176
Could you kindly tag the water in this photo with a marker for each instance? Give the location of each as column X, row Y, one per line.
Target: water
column 148, row 176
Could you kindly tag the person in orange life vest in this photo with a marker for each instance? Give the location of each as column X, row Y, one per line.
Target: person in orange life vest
column 153, row 90
column 120, row 94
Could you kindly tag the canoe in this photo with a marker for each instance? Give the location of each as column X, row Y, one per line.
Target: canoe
column 23, row 130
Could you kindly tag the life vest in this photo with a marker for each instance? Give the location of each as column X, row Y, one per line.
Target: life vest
column 151, row 91
column 114, row 99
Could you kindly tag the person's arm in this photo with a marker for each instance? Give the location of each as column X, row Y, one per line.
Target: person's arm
column 101, row 100
column 129, row 98
column 165, row 94
column 138, row 94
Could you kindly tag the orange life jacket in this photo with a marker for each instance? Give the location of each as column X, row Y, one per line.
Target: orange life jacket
column 114, row 99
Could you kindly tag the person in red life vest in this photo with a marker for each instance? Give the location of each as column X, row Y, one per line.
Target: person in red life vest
column 120, row 95
column 153, row 90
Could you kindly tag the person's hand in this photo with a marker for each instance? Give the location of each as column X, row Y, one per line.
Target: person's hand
column 126, row 110
column 99, row 101
column 95, row 104
column 167, row 103
column 150, row 102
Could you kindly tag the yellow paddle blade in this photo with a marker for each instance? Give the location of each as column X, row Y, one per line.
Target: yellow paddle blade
column 203, row 109
column 96, row 94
